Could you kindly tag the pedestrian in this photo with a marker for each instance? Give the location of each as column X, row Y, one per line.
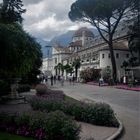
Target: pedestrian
column 73, row 79
column 101, row 81
column 54, row 79
column 46, row 78
column 70, row 79
column 58, row 77
column 124, row 80
column 62, row 80
column 51, row 80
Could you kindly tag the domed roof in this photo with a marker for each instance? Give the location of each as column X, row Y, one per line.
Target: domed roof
column 84, row 30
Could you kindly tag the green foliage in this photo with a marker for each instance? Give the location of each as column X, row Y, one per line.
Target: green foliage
column 52, row 126
column 60, row 67
column 4, row 87
column 134, row 40
column 11, row 11
column 90, row 74
column 100, row 114
column 41, row 89
column 19, row 51
column 68, row 68
column 23, row 88
column 106, row 74
column 76, row 64
column 61, row 127
column 7, row 136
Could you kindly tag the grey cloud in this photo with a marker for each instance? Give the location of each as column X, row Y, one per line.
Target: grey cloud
column 47, row 18
column 27, row 2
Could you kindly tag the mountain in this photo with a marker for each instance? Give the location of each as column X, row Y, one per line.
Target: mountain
column 63, row 40
column 66, row 38
column 45, row 47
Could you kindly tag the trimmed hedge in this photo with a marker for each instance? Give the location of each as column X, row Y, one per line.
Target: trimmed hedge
column 53, row 126
column 98, row 113
column 43, row 91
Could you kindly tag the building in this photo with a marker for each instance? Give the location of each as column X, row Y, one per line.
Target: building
column 92, row 51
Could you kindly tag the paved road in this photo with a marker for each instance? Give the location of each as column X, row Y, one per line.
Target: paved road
column 125, row 103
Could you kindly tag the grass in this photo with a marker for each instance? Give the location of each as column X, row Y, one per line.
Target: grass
column 68, row 98
column 7, row 136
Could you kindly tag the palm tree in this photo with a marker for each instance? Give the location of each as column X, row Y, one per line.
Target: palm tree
column 60, row 68
column 56, row 69
column 76, row 64
column 68, row 68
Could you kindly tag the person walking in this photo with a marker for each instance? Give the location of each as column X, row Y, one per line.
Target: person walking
column 51, row 80
column 62, row 80
column 70, row 79
column 54, row 78
column 73, row 79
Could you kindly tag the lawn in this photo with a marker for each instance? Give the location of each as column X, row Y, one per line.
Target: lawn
column 7, row 136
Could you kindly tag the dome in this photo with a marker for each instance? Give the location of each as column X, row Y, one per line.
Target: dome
column 86, row 31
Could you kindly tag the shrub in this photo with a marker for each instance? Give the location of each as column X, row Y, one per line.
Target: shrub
column 52, row 126
column 41, row 89
column 23, row 88
column 90, row 74
column 54, row 94
column 104, row 115
column 4, row 87
column 61, row 127
column 99, row 113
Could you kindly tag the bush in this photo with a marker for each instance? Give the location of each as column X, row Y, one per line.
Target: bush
column 61, row 127
column 100, row 114
column 4, row 87
column 41, row 89
column 23, row 88
column 104, row 115
column 52, row 126
column 90, row 74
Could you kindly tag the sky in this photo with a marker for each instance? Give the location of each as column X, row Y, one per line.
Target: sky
column 46, row 19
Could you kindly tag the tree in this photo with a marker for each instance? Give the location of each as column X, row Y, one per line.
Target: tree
column 31, row 77
column 105, row 15
column 76, row 64
column 11, row 11
column 68, row 68
column 19, row 52
column 134, row 32
column 60, row 67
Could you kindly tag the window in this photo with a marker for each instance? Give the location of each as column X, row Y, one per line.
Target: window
column 117, row 55
column 103, row 55
column 127, row 55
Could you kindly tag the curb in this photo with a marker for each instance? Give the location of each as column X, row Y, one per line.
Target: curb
column 118, row 133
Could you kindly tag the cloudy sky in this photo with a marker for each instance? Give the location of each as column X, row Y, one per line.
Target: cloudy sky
column 48, row 18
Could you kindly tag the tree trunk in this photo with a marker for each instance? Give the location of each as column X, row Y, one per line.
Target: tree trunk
column 113, row 61
column 76, row 71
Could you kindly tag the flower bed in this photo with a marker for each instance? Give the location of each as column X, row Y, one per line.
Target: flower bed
column 53, row 126
column 98, row 113
column 127, row 87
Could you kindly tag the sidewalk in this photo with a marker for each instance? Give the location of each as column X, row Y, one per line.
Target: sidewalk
column 125, row 87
